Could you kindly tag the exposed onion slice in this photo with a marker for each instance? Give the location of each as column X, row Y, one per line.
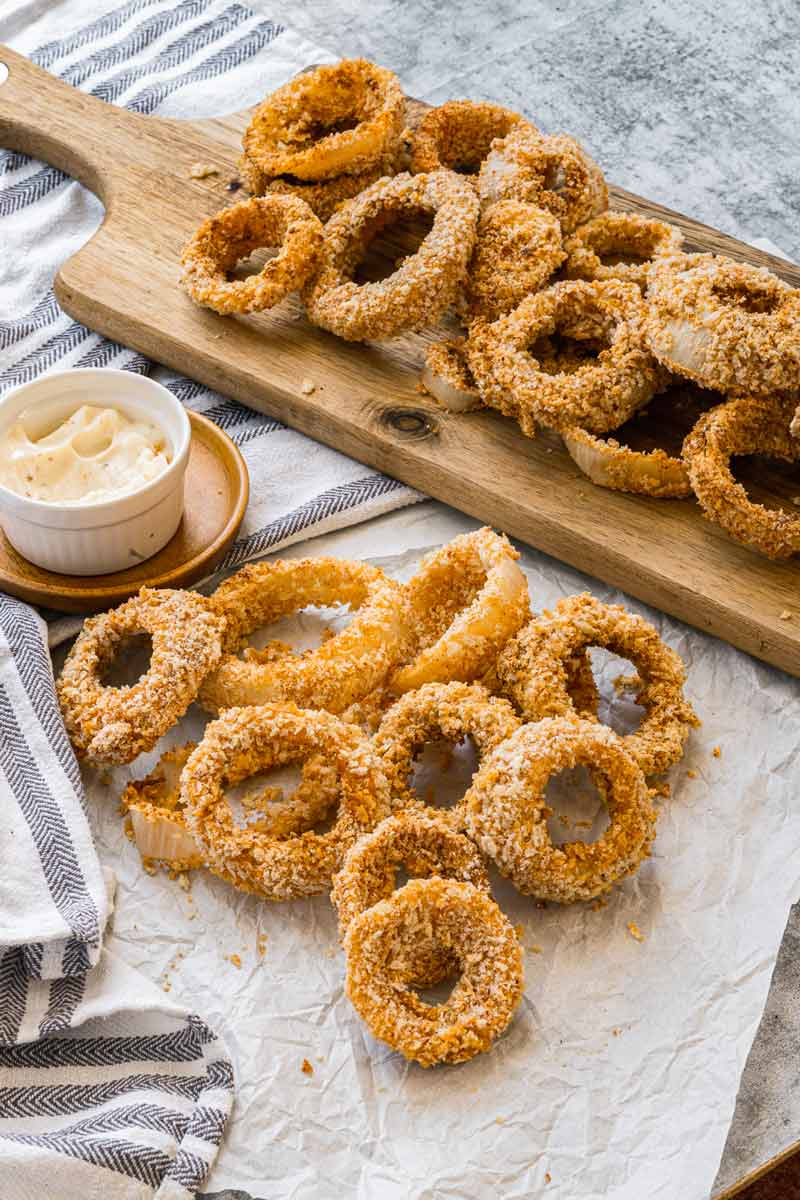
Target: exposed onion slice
column 611, row 465
column 164, row 838
column 448, row 378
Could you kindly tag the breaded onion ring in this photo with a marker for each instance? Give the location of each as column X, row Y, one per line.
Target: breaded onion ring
column 597, row 394
column 743, row 426
column 507, row 811
column 532, row 670
column 448, row 378
column 553, row 172
column 458, row 135
column 610, row 464
column 423, row 846
column 244, row 741
column 157, row 821
column 725, row 324
column 335, row 120
column 628, row 242
column 221, row 241
column 517, row 249
column 467, row 599
column 424, row 284
column 323, row 196
column 344, row 669
column 449, row 711
column 382, row 946
column 114, row 724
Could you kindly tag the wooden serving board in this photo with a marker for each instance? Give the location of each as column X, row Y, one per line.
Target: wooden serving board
column 124, row 283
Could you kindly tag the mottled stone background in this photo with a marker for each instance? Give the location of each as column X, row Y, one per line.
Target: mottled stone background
column 697, row 105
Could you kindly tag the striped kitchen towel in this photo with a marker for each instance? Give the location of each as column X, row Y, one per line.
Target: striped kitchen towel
column 107, row 1088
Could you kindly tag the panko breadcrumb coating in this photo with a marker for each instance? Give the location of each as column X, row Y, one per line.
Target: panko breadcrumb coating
column 233, row 234
column 532, row 670
column 458, row 135
column 507, row 813
column 323, row 196
column 628, row 242
column 111, row 725
column 517, row 250
column 382, row 946
column 747, row 425
column 425, row 283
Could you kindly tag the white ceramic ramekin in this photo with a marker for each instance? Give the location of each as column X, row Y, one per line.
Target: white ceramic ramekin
column 96, row 539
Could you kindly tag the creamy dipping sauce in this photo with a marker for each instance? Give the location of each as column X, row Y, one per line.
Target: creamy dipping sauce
column 95, row 454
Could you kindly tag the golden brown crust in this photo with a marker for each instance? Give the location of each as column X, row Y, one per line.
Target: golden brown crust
column 507, row 813
column 517, row 249
column 610, row 464
column 340, row 672
column 244, row 741
column 597, row 394
column 532, row 670
column 630, row 241
column 725, row 324
column 744, row 426
column 423, row 285
column 233, row 234
column 382, row 946
column 449, row 711
column 458, row 135
column 334, row 120
column 323, row 196
column 113, row 724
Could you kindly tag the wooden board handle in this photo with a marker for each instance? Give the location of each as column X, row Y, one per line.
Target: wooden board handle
column 42, row 116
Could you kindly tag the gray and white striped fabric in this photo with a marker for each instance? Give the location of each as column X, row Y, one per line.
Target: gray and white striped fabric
column 106, row 1087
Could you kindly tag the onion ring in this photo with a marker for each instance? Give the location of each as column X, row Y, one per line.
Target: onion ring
column 517, row 249
column 619, row 235
column 451, row 711
column 725, row 324
column 157, row 820
column 458, row 135
column 448, row 378
column 743, row 426
column 335, row 120
column 244, row 741
column 612, row 465
column 114, row 724
column 221, row 241
column 382, row 946
column 553, row 172
column 467, row 599
column 598, row 394
column 323, row 196
column 336, row 674
column 424, row 284
column 507, row 811
column 532, row 670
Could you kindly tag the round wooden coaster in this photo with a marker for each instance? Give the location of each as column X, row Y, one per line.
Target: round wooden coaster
column 217, row 489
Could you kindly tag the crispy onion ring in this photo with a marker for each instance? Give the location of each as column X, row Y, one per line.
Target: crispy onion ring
column 335, row 120
column 341, row 671
column 323, row 196
column 598, row 394
column 382, row 947
column 743, row 426
column 619, row 237
column 221, row 241
column 424, row 284
column 449, row 711
column 467, row 599
column 532, row 670
column 507, row 811
column 517, row 249
column 244, row 741
column 458, row 135
column 113, row 724
column 725, row 324
column 610, row 464
column 157, row 821
column 448, row 378
column 553, row 172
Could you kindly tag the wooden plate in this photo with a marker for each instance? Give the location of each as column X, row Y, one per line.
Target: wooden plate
column 217, row 489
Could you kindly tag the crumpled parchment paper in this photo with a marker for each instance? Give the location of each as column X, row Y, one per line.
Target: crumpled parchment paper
column 618, row 1075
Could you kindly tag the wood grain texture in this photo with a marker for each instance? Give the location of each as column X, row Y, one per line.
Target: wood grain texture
column 124, row 283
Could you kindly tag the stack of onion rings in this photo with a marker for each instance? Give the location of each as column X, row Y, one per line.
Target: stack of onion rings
column 463, row 922
column 533, row 672
column 338, row 673
column 422, row 286
column 507, row 813
column 233, row 234
column 629, row 240
column 743, row 426
column 458, row 135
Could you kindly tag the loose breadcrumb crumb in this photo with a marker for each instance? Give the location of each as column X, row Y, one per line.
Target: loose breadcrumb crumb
column 635, row 931
column 236, row 960
column 308, row 387
column 717, row 751
column 306, row 1067
column 691, row 774
column 202, row 170
column 785, row 615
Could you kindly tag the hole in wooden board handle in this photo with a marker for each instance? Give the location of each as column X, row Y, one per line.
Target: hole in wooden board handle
column 3, row 73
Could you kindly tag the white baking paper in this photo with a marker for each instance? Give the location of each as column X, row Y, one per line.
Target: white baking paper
column 618, row 1075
